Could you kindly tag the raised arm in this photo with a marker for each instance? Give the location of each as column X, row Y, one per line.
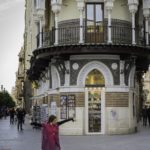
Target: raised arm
column 64, row 121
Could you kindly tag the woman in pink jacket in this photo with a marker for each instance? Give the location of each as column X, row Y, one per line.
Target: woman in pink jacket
column 50, row 133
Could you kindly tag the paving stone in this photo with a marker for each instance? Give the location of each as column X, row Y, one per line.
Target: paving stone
column 29, row 139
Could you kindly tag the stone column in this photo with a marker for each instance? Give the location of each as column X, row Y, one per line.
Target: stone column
column 109, row 5
column 40, row 36
column 56, row 28
column 133, row 6
column 146, row 13
column 122, row 79
column 67, row 73
column 37, row 4
column 81, row 5
column 56, row 7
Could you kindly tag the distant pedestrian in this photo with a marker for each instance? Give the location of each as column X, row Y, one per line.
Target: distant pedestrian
column 148, row 114
column 50, row 133
column 20, row 116
column 24, row 115
column 5, row 113
column 12, row 115
column 144, row 116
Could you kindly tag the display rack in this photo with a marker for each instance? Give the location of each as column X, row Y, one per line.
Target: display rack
column 68, row 106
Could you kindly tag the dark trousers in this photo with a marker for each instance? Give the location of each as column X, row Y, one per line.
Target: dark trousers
column 144, row 121
column 149, row 120
column 19, row 125
column 11, row 120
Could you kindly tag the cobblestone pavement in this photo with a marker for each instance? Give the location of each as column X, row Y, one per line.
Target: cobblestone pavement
column 29, row 139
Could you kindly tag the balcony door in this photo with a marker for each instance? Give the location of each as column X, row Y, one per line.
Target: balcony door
column 94, row 23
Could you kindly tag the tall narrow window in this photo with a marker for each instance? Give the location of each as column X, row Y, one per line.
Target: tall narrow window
column 94, row 22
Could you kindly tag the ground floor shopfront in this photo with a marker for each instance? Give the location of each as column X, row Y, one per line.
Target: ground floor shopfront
column 100, row 92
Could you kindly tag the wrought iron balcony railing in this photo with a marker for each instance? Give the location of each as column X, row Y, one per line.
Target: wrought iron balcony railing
column 98, row 35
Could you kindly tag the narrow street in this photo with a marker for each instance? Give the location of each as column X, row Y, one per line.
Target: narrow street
column 29, row 139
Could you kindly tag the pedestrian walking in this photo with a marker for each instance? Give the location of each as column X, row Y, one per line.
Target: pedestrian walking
column 50, row 133
column 148, row 115
column 24, row 115
column 5, row 112
column 12, row 115
column 20, row 116
column 144, row 116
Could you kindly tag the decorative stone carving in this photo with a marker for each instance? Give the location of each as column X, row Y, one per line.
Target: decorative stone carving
column 114, row 66
column 127, row 66
column 55, row 77
column 95, row 65
column 131, row 77
column 75, row 66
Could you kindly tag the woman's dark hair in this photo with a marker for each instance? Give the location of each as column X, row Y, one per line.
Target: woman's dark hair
column 51, row 118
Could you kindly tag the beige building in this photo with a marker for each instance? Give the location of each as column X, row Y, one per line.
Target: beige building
column 14, row 96
column 87, row 59
column 146, row 88
column 18, row 90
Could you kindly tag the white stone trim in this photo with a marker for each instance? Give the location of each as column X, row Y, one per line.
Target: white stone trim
column 122, row 79
column 66, row 90
column 117, row 89
column 37, row 97
column 103, row 112
column 86, row 112
column 67, row 75
column 52, row 91
column 55, row 77
column 95, row 65
column 72, row 89
column 131, row 77
column 80, row 57
column 94, row 0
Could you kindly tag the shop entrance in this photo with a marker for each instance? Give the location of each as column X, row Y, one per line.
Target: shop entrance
column 93, row 102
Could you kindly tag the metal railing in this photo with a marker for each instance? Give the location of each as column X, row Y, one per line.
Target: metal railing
column 71, row 35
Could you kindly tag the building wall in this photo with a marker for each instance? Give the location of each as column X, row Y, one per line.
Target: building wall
column 71, row 7
column 118, row 108
column 120, row 96
column 120, row 10
column 146, row 88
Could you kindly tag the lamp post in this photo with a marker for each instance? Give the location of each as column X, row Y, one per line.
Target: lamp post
column 109, row 5
column 56, row 7
column 146, row 13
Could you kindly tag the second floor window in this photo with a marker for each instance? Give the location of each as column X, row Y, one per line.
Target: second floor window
column 94, row 22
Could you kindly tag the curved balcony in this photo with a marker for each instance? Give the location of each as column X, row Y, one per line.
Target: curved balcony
column 95, row 42
column 121, row 35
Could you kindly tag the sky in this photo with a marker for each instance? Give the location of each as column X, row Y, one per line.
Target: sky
column 11, row 39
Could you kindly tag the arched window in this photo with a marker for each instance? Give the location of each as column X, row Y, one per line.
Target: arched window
column 95, row 78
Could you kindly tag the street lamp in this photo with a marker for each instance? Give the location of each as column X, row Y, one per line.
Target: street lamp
column 146, row 13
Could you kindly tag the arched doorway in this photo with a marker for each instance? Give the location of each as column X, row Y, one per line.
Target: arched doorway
column 94, row 84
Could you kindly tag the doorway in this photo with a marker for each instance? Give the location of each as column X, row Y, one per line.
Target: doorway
column 94, row 98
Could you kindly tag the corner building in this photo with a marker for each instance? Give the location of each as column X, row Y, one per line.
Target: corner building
column 88, row 63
